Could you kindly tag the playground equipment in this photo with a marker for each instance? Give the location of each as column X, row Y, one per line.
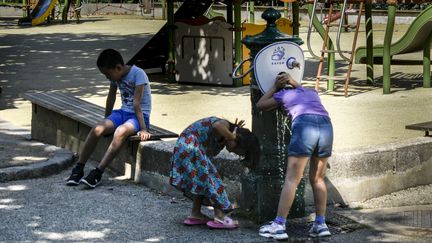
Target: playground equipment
column 155, row 54
column 417, row 38
column 347, row 55
column 145, row 7
column 74, row 6
column 204, row 51
column 40, row 11
column 368, row 51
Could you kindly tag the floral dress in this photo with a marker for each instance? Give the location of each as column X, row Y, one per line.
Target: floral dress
column 192, row 171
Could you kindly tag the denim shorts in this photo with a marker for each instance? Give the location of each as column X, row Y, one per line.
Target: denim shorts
column 312, row 135
column 119, row 117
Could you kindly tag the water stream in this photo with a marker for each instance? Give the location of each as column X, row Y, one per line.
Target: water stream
column 282, row 127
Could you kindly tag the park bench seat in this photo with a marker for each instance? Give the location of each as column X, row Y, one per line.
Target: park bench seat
column 83, row 111
column 424, row 126
column 64, row 120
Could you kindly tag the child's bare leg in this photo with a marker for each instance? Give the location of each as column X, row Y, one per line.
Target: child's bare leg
column 102, row 128
column 219, row 213
column 316, row 177
column 293, row 176
column 120, row 135
column 196, row 209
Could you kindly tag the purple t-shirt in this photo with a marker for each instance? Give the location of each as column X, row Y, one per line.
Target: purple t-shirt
column 300, row 101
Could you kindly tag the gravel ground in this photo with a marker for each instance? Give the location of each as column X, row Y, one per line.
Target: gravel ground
column 116, row 211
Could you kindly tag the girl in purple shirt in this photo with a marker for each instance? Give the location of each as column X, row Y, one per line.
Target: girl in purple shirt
column 312, row 138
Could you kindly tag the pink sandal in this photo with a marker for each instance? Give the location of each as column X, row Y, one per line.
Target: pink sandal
column 194, row 221
column 226, row 223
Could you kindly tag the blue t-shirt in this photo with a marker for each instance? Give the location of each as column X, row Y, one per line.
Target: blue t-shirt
column 300, row 101
column 136, row 76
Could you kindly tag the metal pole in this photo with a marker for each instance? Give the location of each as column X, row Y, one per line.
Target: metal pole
column 65, row 11
column 369, row 44
column 387, row 44
column 164, row 10
column 229, row 9
column 286, row 10
column 237, row 39
column 251, row 12
column 171, row 48
column 24, row 2
column 295, row 16
column 427, row 63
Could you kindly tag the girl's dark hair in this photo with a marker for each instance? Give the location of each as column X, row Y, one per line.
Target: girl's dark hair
column 249, row 145
column 109, row 58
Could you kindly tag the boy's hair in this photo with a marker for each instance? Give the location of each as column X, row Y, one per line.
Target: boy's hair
column 249, row 144
column 109, row 58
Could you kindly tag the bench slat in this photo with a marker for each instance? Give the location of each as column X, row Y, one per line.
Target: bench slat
column 424, row 126
column 83, row 111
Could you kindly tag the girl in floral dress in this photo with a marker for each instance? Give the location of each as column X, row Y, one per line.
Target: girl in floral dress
column 194, row 174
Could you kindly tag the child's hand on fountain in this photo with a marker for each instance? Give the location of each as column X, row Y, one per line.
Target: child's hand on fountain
column 283, row 79
column 240, row 123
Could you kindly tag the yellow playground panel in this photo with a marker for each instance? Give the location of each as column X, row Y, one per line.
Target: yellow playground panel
column 283, row 24
column 42, row 10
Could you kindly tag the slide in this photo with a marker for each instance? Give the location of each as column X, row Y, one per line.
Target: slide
column 41, row 11
column 413, row 40
column 154, row 54
column 39, row 14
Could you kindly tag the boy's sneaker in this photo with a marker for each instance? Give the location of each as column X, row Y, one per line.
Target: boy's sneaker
column 319, row 230
column 273, row 230
column 75, row 178
column 93, row 179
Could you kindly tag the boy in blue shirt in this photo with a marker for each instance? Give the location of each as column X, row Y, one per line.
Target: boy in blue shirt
column 132, row 118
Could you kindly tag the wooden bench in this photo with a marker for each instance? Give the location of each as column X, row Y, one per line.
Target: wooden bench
column 424, row 126
column 63, row 120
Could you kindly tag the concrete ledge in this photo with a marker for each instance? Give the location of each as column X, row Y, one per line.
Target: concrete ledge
column 153, row 168
column 354, row 175
column 378, row 160
column 369, row 172
column 61, row 159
